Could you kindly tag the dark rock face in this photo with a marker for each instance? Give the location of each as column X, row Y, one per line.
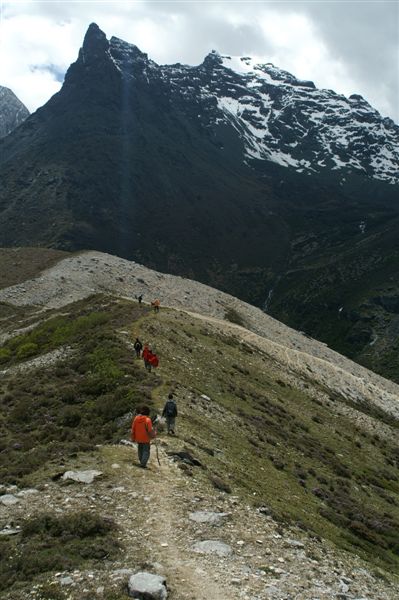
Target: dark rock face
column 232, row 173
column 12, row 111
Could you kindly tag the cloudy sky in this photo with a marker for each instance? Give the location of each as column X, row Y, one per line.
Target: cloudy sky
column 350, row 46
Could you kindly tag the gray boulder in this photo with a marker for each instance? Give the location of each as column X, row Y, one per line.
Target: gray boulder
column 212, row 547
column 213, row 518
column 8, row 499
column 82, row 476
column 146, row 586
column 9, row 531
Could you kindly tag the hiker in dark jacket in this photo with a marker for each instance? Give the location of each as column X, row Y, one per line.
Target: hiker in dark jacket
column 170, row 414
column 138, row 346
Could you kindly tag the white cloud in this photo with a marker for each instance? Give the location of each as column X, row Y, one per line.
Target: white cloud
column 321, row 41
column 29, row 43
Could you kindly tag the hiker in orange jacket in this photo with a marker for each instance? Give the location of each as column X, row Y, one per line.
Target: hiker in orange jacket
column 142, row 434
column 156, row 304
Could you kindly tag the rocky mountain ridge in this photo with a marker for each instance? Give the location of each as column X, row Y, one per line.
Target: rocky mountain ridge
column 257, row 559
column 12, row 111
column 277, row 117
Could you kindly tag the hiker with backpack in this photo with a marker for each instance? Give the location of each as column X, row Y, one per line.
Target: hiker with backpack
column 142, row 433
column 156, row 304
column 170, row 413
column 150, row 358
column 138, row 346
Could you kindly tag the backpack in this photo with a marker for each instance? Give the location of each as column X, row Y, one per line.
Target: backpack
column 170, row 409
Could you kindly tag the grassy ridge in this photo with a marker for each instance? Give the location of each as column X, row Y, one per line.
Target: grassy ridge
column 298, row 454
column 289, row 447
column 53, row 411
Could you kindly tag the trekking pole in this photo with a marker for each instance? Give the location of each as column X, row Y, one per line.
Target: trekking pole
column 157, row 452
column 155, row 439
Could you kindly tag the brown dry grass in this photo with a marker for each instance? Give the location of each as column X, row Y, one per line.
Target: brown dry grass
column 19, row 264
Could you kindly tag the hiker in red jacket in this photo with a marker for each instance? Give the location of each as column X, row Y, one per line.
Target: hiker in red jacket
column 142, row 434
column 145, row 354
column 150, row 359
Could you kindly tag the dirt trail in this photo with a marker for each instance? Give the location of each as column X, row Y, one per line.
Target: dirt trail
column 267, row 561
column 157, row 520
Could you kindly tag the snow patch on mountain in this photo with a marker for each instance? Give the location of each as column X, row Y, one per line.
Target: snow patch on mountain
column 278, row 117
column 328, row 130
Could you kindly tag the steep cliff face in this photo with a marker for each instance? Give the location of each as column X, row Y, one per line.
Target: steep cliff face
column 230, row 172
column 12, row 111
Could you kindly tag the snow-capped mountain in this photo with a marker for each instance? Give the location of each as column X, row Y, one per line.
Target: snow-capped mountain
column 12, row 111
column 277, row 117
column 230, row 172
column 291, row 122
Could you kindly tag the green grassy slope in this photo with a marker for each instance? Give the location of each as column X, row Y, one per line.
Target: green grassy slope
column 273, row 441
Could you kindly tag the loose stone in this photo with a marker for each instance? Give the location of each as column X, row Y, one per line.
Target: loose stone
column 82, row 476
column 208, row 517
column 212, row 547
column 147, row 586
column 8, row 500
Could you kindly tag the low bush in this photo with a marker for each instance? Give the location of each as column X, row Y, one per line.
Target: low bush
column 27, row 350
column 5, row 355
column 49, row 543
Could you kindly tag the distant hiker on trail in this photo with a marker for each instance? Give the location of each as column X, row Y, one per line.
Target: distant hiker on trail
column 140, row 298
column 156, row 304
column 150, row 358
column 138, row 346
column 142, row 434
column 146, row 351
column 170, row 414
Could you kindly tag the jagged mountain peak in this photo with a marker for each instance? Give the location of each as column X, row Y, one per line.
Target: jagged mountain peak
column 249, row 66
column 95, row 43
column 123, row 51
column 12, row 111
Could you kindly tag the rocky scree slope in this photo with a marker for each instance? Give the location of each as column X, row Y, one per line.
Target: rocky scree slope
column 283, row 472
column 12, row 111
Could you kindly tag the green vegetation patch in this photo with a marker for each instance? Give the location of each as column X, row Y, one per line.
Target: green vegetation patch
column 50, row 413
column 52, row 334
column 56, row 543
